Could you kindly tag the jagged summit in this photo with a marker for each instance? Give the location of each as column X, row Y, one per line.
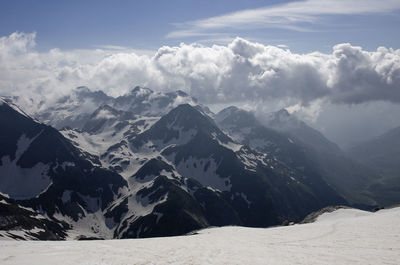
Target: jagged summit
column 186, row 116
column 182, row 122
column 82, row 93
column 236, row 116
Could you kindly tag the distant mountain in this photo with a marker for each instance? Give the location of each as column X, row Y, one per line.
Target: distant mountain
column 302, row 147
column 75, row 110
column 382, row 154
column 282, row 121
column 146, row 102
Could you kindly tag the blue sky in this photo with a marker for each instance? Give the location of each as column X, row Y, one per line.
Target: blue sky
column 302, row 26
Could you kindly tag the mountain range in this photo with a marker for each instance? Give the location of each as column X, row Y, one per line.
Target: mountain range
column 150, row 164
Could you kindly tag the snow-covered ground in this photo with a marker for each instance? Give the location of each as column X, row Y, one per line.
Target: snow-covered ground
column 346, row 236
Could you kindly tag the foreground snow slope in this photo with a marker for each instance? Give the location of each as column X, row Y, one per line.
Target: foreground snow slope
column 346, row 236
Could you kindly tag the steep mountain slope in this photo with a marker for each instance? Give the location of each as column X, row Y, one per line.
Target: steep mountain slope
column 261, row 191
column 42, row 170
column 301, row 147
column 383, row 155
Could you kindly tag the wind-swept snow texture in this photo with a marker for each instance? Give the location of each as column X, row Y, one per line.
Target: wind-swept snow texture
column 345, row 236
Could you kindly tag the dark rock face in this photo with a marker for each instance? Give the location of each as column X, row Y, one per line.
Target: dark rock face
column 13, row 217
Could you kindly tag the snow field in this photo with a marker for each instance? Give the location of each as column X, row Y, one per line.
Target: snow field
column 346, row 236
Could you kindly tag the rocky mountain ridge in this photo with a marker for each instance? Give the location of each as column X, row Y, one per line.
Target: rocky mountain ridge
column 154, row 164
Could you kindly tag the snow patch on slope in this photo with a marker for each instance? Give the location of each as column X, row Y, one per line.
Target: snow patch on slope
column 204, row 171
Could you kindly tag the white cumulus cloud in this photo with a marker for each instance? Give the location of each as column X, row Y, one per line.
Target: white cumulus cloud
column 238, row 72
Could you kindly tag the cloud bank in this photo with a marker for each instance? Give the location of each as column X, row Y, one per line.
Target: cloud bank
column 340, row 93
column 240, row 71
